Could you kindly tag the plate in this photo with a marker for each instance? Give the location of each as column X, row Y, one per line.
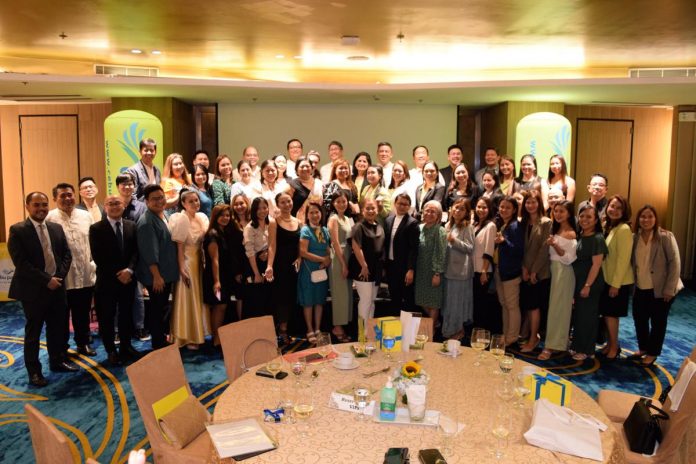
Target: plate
column 431, row 419
column 347, row 368
column 447, row 353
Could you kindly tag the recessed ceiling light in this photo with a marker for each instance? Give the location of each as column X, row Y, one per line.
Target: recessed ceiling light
column 358, row 58
column 156, row 52
column 280, row 57
column 136, row 51
column 298, row 57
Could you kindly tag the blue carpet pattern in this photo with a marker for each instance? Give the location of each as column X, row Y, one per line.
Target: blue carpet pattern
column 96, row 409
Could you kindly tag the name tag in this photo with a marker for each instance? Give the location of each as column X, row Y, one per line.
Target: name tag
column 345, row 403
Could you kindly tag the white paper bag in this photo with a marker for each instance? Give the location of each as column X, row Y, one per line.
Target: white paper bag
column 409, row 330
column 560, row 429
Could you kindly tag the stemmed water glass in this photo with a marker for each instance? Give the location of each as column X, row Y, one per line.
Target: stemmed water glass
column 497, row 349
column 448, row 426
column 303, row 408
column 480, row 338
column 505, row 363
column 298, row 367
column 389, row 341
column 521, row 390
column 501, row 427
column 274, row 366
column 370, row 347
column 324, row 345
column 361, row 396
column 421, row 336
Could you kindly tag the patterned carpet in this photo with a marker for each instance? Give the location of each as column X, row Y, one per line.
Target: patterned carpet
column 96, row 410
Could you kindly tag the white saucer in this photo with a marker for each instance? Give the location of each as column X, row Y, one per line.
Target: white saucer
column 447, row 353
column 347, row 368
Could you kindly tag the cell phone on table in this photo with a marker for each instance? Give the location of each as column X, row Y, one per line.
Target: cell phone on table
column 264, row 373
column 396, row 456
column 431, row 456
column 313, row 357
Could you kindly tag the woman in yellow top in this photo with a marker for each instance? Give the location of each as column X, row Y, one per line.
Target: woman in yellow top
column 617, row 270
column 175, row 176
column 375, row 190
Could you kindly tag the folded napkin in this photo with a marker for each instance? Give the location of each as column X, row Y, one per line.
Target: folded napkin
column 677, row 392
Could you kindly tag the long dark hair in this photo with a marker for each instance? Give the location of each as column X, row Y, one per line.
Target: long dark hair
column 636, row 225
column 470, row 184
column 570, row 208
column 625, row 218
column 598, row 223
column 499, row 221
column 491, row 212
column 255, row 209
column 206, row 185
column 369, row 163
column 214, row 227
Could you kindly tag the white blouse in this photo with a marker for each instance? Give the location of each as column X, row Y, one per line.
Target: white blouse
column 568, row 246
column 484, row 244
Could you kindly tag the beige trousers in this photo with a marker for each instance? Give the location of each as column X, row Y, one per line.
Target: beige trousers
column 509, row 298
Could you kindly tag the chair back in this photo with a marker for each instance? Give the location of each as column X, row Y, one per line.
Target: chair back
column 426, row 323
column 247, row 343
column 153, row 377
column 674, row 429
column 50, row 444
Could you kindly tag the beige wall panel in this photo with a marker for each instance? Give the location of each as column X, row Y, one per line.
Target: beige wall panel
column 91, row 120
column 359, row 127
column 50, row 152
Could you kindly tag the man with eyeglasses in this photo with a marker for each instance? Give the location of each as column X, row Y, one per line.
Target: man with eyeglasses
column 294, row 152
column 88, row 196
column 79, row 282
column 598, row 193
column 157, row 267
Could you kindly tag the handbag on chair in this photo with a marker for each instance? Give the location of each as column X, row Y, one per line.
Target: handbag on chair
column 642, row 427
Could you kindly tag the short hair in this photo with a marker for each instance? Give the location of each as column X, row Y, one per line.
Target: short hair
column 247, row 213
column 314, row 204
column 145, row 142
column 636, row 226
column 294, row 140
column 403, row 196
column 453, row 146
column 598, row 224
column 599, row 174
column 241, row 163
column 490, row 148
column 336, row 195
column 625, row 213
column 467, row 212
column 301, row 160
column 183, row 193
column 215, row 214
column 437, row 206
column 85, row 179
column 336, row 143
column 494, row 175
column 28, row 198
column 124, row 178
column 385, row 144
column 380, row 171
column 515, row 205
column 61, row 185
column 407, row 174
column 149, row 189
column 265, row 164
column 218, row 160
column 201, row 152
column 435, row 165
column 427, row 152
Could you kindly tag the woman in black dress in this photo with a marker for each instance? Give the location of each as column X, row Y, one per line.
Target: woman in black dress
column 283, row 262
column 241, row 215
column 218, row 274
column 304, row 188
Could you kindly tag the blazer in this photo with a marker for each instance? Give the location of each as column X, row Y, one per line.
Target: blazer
column 460, row 259
column 665, row 263
column 155, row 246
column 536, row 251
column 108, row 256
column 437, row 194
column 141, row 180
column 30, row 281
column 616, row 267
column 511, row 251
column 405, row 242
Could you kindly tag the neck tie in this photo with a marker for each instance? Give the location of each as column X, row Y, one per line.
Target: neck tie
column 119, row 236
column 49, row 259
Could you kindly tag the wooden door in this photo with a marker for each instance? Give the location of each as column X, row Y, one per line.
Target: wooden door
column 605, row 146
column 49, row 151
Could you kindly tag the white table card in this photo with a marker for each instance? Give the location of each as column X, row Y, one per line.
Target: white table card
column 345, row 403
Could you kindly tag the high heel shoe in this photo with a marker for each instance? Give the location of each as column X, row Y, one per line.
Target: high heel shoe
column 615, row 357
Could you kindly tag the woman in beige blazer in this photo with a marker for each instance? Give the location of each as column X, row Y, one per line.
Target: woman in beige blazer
column 656, row 265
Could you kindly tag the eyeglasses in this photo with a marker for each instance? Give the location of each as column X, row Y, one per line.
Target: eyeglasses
column 157, row 198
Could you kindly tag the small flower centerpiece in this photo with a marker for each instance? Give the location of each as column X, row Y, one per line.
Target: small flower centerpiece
column 411, row 374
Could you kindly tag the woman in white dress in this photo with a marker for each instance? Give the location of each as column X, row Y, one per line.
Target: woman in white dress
column 190, row 318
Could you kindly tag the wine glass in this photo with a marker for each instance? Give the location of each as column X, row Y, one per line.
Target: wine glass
column 421, row 336
column 370, row 347
column 479, row 341
column 361, row 396
column 521, row 390
column 303, row 408
column 389, row 341
column 505, row 363
column 324, row 345
column 448, row 426
column 505, row 389
column 497, row 349
column 274, row 366
column 501, row 427
column 298, row 367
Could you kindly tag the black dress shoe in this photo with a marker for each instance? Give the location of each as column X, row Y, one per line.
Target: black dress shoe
column 63, row 366
column 86, row 350
column 128, row 352
column 114, row 359
column 37, row 380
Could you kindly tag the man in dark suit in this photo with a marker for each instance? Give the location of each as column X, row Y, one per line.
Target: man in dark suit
column 454, row 158
column 115, row 251
column 42, row 258
column 401, row 251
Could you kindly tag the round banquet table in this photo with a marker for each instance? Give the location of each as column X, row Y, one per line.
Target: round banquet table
column 457, row 388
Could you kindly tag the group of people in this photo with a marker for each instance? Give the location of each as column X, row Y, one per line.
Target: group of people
column 281, row 234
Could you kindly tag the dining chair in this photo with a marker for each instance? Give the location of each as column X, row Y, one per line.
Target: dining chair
column 247, row 343
column 50, row 444
column 679, row 432
column 426, row 322
column 153, row 378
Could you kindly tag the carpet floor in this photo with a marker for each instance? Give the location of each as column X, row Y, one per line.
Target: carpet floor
column 95, row 407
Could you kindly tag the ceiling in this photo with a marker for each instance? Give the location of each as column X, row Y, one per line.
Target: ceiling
column 469, row 52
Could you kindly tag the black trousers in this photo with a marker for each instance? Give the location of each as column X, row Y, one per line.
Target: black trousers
column 156, row 315
column 402, row 297
column 487, row 312
column 79, row 305
column 109, row 302
column 50, row 309
column 650, row 318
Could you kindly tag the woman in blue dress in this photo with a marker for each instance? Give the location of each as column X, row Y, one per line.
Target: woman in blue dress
column 315, row 253
column 203, row 188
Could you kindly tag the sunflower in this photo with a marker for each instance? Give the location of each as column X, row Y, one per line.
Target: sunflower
column 410, row 369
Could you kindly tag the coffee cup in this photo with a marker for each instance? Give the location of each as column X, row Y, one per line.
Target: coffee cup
column 453, row 347
column 344, row 360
